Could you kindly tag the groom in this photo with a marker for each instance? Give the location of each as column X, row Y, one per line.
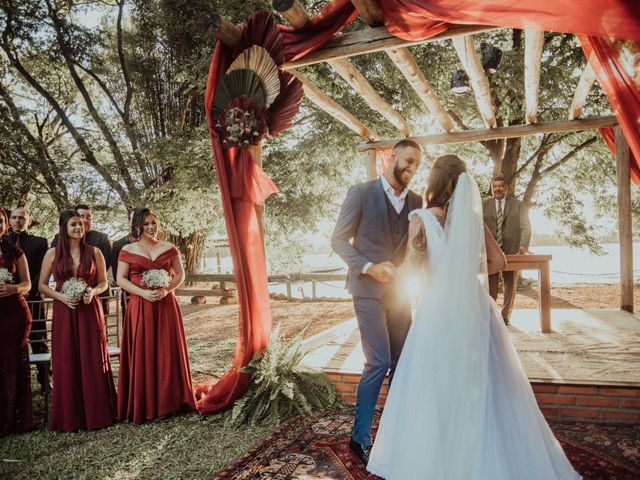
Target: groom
column 375, row 217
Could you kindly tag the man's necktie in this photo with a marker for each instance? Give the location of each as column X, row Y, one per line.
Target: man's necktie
column 499, row 221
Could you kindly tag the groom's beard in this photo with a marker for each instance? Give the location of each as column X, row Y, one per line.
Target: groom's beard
column 397, row 173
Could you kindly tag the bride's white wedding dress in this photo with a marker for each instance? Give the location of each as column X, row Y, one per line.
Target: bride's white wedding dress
column 461, row 406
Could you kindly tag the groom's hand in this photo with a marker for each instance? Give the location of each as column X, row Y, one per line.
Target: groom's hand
column 382, row 272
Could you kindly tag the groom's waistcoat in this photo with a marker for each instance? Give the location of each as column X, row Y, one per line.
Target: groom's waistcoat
column 398, row 222
column 370, row 230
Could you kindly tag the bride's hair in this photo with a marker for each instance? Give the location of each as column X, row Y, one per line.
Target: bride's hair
column 443, row 179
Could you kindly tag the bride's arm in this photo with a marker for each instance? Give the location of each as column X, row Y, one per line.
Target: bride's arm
column 416, row 245
column 496, row 261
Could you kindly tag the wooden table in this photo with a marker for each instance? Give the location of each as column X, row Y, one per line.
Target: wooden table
column 541, row 264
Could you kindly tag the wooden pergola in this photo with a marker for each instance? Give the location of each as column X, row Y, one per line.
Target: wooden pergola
column 342, row 47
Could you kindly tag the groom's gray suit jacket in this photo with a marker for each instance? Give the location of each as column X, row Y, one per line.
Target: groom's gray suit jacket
column 363, row 218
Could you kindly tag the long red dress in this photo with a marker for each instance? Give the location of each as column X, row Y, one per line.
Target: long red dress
column 154, row 378
column 84, row 395
column 15, row 375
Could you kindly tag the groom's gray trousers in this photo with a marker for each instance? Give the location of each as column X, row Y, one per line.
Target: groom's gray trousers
column 384, row 323
column 368, row 229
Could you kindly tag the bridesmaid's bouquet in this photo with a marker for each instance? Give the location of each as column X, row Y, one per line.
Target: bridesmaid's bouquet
column 5, row 276
column 74, row 288
column 156, row 278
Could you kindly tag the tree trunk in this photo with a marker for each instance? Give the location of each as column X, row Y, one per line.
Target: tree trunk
column 510, row 162
column 192, row 249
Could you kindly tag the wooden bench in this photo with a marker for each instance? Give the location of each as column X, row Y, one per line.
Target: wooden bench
column 113, row 322
column 541, row 264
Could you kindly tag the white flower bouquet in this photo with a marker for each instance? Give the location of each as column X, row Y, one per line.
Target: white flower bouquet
column 156, row 278
column 5, row 276
column 74, row 288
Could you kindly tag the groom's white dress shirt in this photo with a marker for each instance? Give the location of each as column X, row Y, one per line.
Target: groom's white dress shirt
column 397, row 202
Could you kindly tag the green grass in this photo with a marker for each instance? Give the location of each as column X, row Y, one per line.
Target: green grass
column 179, row 447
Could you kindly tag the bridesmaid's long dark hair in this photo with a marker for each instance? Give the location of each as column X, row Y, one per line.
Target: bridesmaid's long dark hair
column 63, row 263
column 9, row 251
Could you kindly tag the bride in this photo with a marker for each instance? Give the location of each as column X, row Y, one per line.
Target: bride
column 460, row 407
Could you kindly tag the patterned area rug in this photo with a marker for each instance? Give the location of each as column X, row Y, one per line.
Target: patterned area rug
column 317, row 447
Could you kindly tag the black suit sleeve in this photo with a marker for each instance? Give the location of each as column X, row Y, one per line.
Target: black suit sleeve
column 105, row 248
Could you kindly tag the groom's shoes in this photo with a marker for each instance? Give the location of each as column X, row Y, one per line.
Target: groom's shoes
column 361, row 451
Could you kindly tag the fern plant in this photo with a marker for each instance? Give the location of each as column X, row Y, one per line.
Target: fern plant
column 282, row 386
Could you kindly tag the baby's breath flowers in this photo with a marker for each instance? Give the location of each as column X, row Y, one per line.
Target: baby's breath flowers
column 5, row 276
column 156, row 278
column 74, row 288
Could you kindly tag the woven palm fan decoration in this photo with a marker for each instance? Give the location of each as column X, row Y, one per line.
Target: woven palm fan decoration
column 254, row 96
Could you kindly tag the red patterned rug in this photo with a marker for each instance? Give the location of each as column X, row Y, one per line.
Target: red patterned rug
column 317, row 447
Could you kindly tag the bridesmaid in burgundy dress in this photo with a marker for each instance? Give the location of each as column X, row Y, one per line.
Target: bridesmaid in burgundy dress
column 154, row 379
column 84, row 395
column 15, row 325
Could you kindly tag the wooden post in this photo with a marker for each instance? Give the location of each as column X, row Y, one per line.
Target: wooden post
column 218, row 263
column 289, row 294
column 370, row 165
column 219, row 28
column 545, row 298
column 624, row 220
column 314, row 289
column 293, row 12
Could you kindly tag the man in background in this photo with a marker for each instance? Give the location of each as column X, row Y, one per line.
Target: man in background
column 115, row 253
column 34, row 249
column 508, row 221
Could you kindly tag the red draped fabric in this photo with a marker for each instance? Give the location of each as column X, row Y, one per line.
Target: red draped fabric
column 419, row 19
column 622, row 93
column 383, row 159
column 243, row 185
column 334, row 16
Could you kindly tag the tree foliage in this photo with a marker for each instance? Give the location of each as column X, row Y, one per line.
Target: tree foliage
column 101, row 102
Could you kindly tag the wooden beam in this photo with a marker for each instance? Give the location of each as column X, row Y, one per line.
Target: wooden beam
column 327, row 104
column 219, row 28
column 497, row 133
column 624, row 220
column 585, row 83
column 471, row 63
column 293, row 12
column 363, row 88
column 409, row 68
column 372, row 40
column 369, row 11
column 533, row 43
